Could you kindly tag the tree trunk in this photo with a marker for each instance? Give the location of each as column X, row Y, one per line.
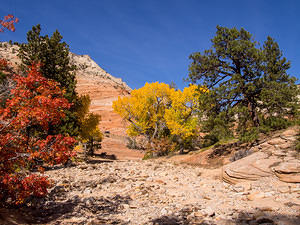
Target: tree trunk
column 155, row 131
column 91, row 153
column 253, row 114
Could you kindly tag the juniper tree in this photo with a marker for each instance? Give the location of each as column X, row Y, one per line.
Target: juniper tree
column 248, row 83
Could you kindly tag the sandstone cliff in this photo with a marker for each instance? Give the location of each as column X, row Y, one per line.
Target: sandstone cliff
column 103, row 89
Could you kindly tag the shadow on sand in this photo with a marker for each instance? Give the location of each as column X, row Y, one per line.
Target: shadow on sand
column 243, row 218
column 48, row 211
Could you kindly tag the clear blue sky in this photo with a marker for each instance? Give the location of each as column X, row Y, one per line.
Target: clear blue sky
column 151, row 40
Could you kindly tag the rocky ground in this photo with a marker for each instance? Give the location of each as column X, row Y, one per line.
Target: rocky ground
column 174, row 190
column 160, row 192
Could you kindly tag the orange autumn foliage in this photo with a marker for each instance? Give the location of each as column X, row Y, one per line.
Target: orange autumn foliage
column 34, row 104
column 8, row 23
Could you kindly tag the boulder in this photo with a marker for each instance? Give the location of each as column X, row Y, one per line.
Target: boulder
column 277, row 141
column 275, row 156
column 288, row 171
column 291, row 132
column 251, row 167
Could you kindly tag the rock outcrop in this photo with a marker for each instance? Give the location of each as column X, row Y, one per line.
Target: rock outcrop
column 89, row 68
column 274, row 156
column 288, row 171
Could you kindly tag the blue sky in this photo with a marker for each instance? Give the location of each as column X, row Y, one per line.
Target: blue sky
column 150, row 40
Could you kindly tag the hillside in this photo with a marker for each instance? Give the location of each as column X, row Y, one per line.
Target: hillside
column 103, row 89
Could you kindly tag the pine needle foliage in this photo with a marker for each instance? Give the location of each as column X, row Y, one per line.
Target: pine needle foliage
column 249, row 88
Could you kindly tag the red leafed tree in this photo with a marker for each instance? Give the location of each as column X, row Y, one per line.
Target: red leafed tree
column 34, row 103
column 8, row 23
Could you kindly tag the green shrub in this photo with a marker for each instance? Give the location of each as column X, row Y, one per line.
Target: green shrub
column 298, row 146
column 275, row 123
column 2, row 77
column 148, row 155
column 209, row 140
column 249, row 135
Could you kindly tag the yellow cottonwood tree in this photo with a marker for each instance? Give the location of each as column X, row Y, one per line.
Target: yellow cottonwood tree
column 145, row 110
column 181, row 118
column 158, row 111
column 89, row 130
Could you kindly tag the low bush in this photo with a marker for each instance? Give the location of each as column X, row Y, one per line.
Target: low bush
column 159, row 147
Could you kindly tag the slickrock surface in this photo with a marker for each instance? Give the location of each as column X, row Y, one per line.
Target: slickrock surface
column 152, row 192
column 272, row 156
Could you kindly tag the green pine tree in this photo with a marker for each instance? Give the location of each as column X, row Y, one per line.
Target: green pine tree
column 53, row 56
column 249, row 85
